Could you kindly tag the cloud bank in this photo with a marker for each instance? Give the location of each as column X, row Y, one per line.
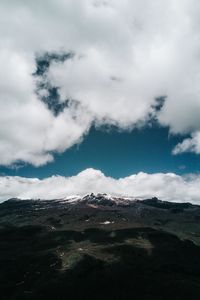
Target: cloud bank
column 126, row 53
column 168, row 186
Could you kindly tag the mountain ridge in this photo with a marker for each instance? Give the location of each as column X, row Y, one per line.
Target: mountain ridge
column 103, row 199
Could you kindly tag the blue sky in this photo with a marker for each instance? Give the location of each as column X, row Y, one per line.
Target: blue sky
column 79, row 78
column 117, row 154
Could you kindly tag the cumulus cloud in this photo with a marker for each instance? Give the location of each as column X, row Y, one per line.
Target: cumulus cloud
column 189, row 145
column 126, row 53
column 167, row 186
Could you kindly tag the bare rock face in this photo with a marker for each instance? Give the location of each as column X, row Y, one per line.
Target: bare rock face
column 105, row 200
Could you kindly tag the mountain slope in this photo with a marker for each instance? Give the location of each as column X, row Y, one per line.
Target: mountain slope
column 99, row 247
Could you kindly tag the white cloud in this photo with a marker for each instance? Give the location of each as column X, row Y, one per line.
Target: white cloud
column 189, row 145
column 167, row 186
column 127, row 52
column 29, row 132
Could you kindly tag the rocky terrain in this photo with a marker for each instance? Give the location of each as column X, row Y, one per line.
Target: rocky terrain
column 99, row 247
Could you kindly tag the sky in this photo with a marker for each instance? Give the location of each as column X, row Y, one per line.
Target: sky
column 100, row 89
column 116, row 154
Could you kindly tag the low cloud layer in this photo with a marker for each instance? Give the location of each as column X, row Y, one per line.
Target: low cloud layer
column 125, row 54
column 168, row 186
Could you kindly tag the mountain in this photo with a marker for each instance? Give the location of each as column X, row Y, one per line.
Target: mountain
column 99, row 247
